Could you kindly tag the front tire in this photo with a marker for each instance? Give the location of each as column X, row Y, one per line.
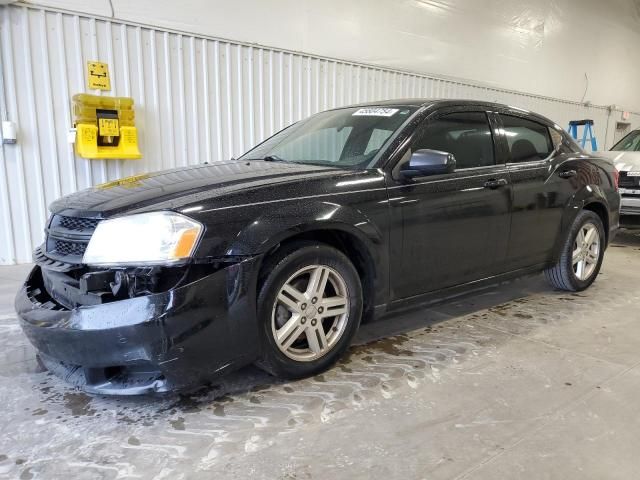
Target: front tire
column 581, row 256
column 309, row 308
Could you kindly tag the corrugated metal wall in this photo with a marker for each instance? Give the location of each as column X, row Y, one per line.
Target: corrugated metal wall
column 196, row 99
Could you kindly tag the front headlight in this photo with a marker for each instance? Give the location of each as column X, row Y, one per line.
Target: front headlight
column 143, row 239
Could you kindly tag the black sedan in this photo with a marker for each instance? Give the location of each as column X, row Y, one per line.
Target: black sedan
column 163, row 281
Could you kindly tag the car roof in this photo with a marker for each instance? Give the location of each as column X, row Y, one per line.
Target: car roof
column 445, row 102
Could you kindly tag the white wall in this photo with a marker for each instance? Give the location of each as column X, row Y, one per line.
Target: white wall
column 538, row 46
column 196, row 99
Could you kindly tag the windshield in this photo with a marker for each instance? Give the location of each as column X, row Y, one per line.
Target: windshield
column 630, row 143
column 345, row 138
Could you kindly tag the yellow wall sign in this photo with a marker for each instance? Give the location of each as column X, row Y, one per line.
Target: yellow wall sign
column 98, row 76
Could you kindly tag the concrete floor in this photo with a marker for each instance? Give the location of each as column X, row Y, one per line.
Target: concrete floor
column 515, row 382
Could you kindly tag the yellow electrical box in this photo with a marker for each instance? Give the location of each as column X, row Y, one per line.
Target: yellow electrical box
column 105, row 127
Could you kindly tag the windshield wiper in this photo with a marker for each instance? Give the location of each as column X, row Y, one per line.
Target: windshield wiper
column 273, row 158
column 268, row 158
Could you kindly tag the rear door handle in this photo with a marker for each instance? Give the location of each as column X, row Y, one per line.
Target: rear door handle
column 568, row 174
column 495, row 183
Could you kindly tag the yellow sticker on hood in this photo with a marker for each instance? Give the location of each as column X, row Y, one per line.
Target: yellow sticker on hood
column 127, row 182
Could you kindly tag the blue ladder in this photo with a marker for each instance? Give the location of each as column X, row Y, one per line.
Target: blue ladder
column 573, row 131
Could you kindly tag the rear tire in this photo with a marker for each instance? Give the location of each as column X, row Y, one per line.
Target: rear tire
column 309, row 308
column 581, row 256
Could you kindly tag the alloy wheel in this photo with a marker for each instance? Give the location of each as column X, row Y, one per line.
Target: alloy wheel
column 310, row 313
column 586, row 251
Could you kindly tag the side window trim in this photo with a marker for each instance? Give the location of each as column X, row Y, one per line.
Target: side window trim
column 559, row 139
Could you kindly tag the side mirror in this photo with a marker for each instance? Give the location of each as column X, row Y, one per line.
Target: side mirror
column 428, row 162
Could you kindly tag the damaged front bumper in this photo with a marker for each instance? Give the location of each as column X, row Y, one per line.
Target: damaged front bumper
column 149, row 343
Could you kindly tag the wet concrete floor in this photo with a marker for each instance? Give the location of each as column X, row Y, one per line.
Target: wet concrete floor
column 517, row 381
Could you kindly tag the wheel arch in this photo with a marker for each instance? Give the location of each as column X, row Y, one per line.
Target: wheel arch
column 343, row 227
column 352, row 245
column 601, row 210
column 590, row 198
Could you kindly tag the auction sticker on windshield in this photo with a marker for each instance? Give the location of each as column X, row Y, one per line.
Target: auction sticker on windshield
column 375, row 112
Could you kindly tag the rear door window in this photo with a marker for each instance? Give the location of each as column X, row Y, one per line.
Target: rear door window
column 528, row 140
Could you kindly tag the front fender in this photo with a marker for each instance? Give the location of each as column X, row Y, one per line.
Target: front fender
column 368, row 243
column 273, row 226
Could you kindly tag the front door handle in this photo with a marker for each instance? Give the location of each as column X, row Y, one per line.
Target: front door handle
column 495, row 183
column 567, row 174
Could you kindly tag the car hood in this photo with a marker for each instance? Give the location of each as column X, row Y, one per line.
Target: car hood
column 174, row 188
column 624, row 161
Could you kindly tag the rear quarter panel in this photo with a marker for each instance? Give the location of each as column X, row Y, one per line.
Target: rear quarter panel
column 595, row 189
